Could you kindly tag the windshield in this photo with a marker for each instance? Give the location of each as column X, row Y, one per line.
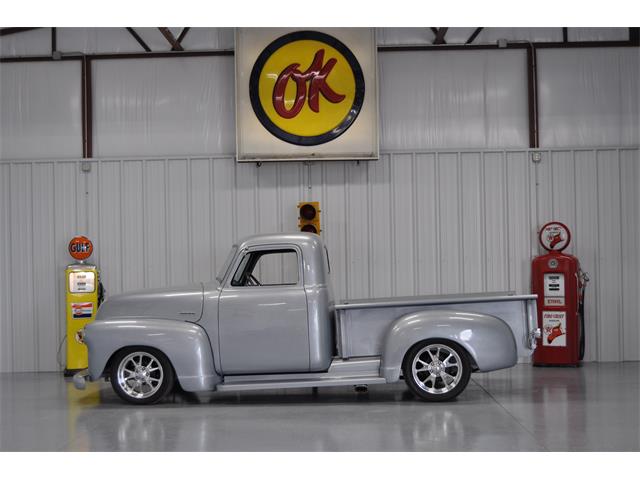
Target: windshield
column 227, row 264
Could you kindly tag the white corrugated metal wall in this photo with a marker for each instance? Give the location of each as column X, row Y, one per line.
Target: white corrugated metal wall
column 412, row 223
column 417, row 221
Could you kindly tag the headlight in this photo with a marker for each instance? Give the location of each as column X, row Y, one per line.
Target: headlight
column 80, row 336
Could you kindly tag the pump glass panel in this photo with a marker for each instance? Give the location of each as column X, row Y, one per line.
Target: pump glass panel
column 82, row 282
column 554, row 289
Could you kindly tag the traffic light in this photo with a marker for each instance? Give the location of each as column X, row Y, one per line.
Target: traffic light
column 309, row 217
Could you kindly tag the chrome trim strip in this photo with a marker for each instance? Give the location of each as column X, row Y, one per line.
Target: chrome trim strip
column 438, row 300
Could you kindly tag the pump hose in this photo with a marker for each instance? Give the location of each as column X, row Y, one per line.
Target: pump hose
column 581, row 314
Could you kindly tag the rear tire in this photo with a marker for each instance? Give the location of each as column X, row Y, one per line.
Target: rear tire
column 437, row 370
column 141, row 375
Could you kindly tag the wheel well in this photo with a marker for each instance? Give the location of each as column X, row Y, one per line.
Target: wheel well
column 472, row 361
column 106, row 373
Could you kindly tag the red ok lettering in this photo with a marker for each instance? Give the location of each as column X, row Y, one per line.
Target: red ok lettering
column 316, row 75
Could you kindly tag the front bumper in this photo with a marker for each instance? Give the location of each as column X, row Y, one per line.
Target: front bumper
column 80, row 379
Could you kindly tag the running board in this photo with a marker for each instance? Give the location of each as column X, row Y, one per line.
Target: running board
column 328, row 382
column 362, row 371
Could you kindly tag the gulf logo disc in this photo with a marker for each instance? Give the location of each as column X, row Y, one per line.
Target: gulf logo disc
column 306, row 88
column 80, row 247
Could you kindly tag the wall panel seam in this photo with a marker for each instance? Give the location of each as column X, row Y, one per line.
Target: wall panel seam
column 369, row 234
column 392, row 217
column 56, row 263
column 212, row 216
column 36, row 333
column 483, row 203
column 623, row 266
column 145, row 253
column 10, row 263
column 414, row 223
column 438, row 212
column 597, row 263
column 167, row 245
column 120, row 197
column 189, row 199
column 461, row 259
column 347, row 206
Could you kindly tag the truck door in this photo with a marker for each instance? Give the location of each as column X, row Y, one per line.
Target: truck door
column 263, row 313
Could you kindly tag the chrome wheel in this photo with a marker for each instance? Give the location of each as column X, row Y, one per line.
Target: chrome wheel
column 437, row 369
column 140, row 375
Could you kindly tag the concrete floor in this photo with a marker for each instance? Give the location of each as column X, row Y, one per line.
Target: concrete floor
column 596, row 407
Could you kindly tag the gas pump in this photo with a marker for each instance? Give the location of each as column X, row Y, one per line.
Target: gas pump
column 84, row 294
column 559, row 282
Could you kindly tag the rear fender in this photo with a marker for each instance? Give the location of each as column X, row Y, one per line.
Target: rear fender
column 185, row 344
column 488, row 340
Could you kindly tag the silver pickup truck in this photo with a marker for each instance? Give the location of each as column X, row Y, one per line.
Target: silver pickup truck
column 269, row 320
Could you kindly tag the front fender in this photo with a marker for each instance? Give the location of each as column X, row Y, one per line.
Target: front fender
column 185, row 344
column 488, row 340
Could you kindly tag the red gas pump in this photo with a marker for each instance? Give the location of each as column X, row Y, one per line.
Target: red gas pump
column 559, row 283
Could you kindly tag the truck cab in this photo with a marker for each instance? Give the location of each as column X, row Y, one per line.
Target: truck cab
column 274, row 297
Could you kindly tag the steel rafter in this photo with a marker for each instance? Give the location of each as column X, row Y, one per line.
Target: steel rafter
column 183, row 34
column 175, row 44
column 12, row 30
column 473, row 36
column 439, row 40
column 138, row 38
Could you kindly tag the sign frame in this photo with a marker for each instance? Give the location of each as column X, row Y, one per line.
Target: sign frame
column 255, row 143
column 563, row 235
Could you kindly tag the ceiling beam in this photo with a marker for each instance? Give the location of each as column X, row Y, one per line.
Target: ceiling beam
column 12, row 30
column 473, row 36
column 512, row 46
column 175, row 45
column 138, row 38
column 439, row 40
column 183, row 34
column 381, row 48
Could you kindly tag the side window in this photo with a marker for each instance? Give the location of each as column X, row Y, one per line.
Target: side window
column 239, row 277
column 267, row 268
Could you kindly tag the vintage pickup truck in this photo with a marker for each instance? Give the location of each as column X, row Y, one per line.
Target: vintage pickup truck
column 269, row 321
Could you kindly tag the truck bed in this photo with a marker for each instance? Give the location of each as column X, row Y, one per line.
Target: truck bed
column 361, row 324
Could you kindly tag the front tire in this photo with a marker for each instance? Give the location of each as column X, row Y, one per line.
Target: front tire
column 437, row 370
column 141, row 375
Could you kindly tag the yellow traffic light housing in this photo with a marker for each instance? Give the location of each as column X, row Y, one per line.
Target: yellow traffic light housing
column 309, row 217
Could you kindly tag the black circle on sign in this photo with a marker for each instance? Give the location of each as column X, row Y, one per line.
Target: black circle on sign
column 264, row 119
column 309, row 228
column 307, row 211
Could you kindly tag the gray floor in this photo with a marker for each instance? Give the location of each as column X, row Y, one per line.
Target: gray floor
column 596, row 407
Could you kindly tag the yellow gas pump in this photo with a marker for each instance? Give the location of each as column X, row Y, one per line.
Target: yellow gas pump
column 82, row 282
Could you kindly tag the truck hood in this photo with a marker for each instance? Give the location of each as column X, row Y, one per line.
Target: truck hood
column 171, row 303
